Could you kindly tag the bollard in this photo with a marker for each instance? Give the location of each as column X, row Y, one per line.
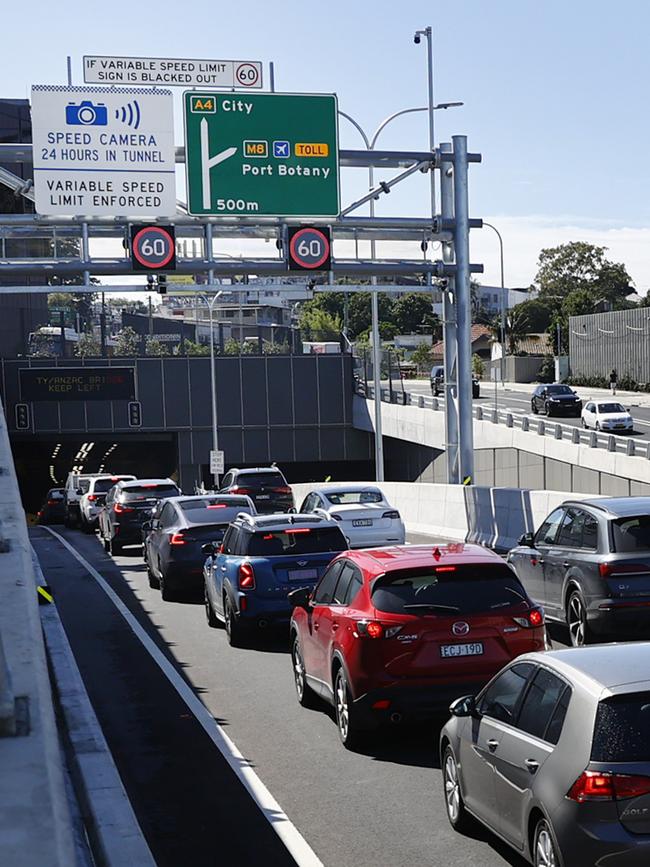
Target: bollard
column 541, row 427
column 558, row 432
column 611, row 444
column 593, row 440
column 575, row 435
column 525, row 423
column 494, row 417
column 434, row 403
column 631, row 448
column 421, row 401
column 479, row 413
column 510, row 422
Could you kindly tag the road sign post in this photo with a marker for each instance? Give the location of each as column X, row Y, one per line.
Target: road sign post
column 271, row 154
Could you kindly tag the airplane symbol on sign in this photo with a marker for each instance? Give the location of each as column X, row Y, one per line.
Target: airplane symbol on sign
column 281, row 149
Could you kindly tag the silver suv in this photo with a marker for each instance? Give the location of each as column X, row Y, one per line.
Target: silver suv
column 553, row 755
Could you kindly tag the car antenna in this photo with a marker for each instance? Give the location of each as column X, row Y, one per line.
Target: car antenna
column 436, row 553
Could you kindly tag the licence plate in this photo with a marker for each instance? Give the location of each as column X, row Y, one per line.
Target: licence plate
column 263, row 497
column 362, row 522
column 453, row 650
column 302, row 574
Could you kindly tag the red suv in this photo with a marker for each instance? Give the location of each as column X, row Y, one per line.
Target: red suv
column 398, row 633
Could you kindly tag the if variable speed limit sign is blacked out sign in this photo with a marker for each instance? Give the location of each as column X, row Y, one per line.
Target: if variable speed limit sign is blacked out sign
column 153, row 248
column 310, row 249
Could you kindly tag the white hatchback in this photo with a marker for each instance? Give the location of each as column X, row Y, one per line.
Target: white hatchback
column 364, row 515
column 606, row 415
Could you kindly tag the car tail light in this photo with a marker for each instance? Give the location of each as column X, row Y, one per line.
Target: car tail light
column 52, row 502
column 294, row 530
column 246, row 577
column 39, row 514
column 445, row 569
column 285, row 489
column 236, row 490
column 393, row 515
column 336, row 517
column 533, row 619
column 118, row 508
column 382, row 704
column 598, row 786
column 375, row 629
column 177, row 539
column 92, row 497
column 216, row 506
column 608, row 569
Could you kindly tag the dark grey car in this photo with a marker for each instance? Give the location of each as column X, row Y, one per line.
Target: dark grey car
column 553, row 755
column 555, row 399
column 589, row 566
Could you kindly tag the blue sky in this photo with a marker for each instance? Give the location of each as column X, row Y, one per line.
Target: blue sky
column 554, row 93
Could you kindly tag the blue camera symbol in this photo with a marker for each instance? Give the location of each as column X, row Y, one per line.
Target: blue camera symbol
column 86, row 114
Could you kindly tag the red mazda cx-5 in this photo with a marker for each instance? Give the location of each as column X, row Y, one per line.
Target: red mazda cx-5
column 399, row 633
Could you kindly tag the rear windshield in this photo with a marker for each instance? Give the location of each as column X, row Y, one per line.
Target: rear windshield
column 465, row 590
column 208, row 533
column 83, row 485
column 208, row 511
column 558, row 389
column 104, row 485
column 55, row 494
column 258, row 480
column 149, row 492
column 622, row 730
column 341, row 498
column 296, row 540
column 631, row 534
column 610, row 407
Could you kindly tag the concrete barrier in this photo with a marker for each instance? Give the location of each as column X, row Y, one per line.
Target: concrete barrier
column 495, row 517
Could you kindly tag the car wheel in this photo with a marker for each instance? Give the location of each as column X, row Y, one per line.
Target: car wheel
column 346, row 721
column 210, row 616
column 459, row 818
column 547, row 410
column 533, row 407
column 304, row 693
column 584, row 423
column 87, row 527
column 107, row 545
column 166, row 594
column 153, row 581
column 114, row 547
column 576, row 616
column 597, row 426
column 234, row 629
column 544, row 851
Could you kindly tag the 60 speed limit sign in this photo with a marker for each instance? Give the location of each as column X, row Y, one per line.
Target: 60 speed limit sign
column 310, row 249
column 153, row 248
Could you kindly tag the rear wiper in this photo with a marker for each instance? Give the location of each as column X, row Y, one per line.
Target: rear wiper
column 432, row 606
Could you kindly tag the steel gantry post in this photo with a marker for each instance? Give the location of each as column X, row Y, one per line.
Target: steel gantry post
column 463, row 310
column 449, row 325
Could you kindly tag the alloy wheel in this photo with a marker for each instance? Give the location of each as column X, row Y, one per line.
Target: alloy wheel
column 342, row 710
column 577, row 620
column 544, row 847
column 298, row 670
column 452, row 788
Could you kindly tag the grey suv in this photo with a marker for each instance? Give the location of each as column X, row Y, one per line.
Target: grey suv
column 437, row 379
column 589, row 566
column 553, row 755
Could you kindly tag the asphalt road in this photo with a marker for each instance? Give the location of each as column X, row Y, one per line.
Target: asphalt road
column 382, row 807
column 518, row 402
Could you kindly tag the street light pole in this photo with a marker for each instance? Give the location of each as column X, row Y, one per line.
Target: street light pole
column 503, row 303
column 428, row 33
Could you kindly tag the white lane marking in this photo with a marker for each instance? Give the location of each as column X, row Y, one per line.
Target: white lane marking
column 302, row 853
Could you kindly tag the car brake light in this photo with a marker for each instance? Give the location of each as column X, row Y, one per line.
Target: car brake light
column 51, row 502
column 295, row 530
column 534, row 618
column 92, row 497
column 240, row 490
column 246, row 577
column 608, row 569
column 118, row 508
column 375, row 629
column 445, row 568
column 598, row 786
column 285, row 489
column 148, row 487
column 177, row 539
column 393, row 515
column 216, row 505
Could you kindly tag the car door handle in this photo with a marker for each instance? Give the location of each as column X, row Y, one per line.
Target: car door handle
column 223, row 568
column 492, row 745
column 541, row 560
column 532, row 765
column 335, row 626
column 566, row 564
column 316, row 624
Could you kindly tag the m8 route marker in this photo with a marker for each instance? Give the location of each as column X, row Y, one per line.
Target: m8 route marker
column 271, row 154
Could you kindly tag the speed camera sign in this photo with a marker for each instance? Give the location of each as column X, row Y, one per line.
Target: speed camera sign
column 310, row 249
column 153, row 248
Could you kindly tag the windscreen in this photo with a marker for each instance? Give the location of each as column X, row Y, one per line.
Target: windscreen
column 259, row 480
column 208, row 511
column 610, row 407
column 631, row 534
column 342, row 498
column 558, row 389
column 149, row 492
column 622, row 729
column 296, row 540
column 449, row 590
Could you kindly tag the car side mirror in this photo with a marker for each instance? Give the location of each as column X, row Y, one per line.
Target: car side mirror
column 292, row 511
column 79, row 492
column 208, row 548
column 527, row 539
column 463, row 707
column 300, row 598
column 146, row 525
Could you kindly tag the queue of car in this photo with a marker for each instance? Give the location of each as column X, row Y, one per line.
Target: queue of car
column 548, row 749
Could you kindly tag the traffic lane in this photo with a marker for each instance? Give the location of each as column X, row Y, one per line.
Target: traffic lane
column 191, row 807
column 384, row 806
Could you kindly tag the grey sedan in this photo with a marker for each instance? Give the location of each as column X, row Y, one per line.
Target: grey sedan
column 554, row 757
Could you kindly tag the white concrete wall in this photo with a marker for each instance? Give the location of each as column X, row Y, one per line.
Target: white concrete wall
column 489, row 516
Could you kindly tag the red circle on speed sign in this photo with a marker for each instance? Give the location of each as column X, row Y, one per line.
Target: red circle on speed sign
column 309, row 248
column 153, row 247
column 247, row 74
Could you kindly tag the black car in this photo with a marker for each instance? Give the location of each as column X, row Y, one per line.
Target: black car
column 589, row 566
column 176, row 534
column 53, row 509
column 128, row 505
column 438, row 382
column 266, row 486
column 555, row 399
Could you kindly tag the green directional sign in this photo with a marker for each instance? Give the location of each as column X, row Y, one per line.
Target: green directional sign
column 272, row 154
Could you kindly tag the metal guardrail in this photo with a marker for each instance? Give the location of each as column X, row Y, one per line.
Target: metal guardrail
column 540, row 426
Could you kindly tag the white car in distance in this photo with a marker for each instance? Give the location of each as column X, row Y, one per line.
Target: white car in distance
column 366, row 518
column 606, row 415
column 92, row 501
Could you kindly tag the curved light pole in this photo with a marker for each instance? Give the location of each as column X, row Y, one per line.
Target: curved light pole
column 376, row 345
column 502, row 327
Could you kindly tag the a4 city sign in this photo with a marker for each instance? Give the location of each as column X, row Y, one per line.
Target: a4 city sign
column 272, row 154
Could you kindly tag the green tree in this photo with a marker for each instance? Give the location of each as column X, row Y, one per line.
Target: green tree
column 316, row 321
column 579, row 265
column 412, row 310
column 192, row 348
column 421, row 356
column 153, row 346
column 88, row 346
column 127, row 342
column 478, row 366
